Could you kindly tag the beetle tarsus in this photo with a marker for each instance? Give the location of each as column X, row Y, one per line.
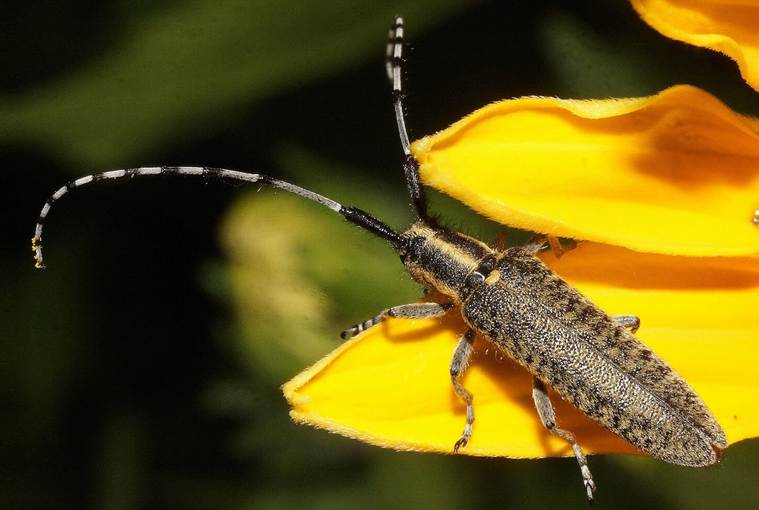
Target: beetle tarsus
column 460, row 361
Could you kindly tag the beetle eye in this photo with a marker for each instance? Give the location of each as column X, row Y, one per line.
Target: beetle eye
column 416, row 245
column 410, row 247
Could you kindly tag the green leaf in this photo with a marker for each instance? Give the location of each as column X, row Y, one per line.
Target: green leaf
column 186, row 67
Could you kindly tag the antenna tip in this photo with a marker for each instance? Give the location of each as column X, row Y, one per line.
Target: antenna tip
column 37, row 249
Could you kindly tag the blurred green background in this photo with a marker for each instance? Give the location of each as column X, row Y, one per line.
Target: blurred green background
column 142, row 369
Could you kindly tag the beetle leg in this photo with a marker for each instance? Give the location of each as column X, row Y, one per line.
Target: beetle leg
column 538, row 243
column 458, row 366
column 411, row 311
column 535, row 245
column 556, row 246
column 501, row 242
column 627, row 321
column 548, row 417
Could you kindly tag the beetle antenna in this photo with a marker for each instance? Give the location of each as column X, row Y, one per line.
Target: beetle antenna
column 352, row 214
column 393, row 62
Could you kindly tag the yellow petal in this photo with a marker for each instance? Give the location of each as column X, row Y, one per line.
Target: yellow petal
column 729, row 27
column 675, row 173
column 390, row 387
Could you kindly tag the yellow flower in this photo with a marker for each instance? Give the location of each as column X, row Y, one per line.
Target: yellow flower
column 391, row 387
column 674, row 174
column 730, row 27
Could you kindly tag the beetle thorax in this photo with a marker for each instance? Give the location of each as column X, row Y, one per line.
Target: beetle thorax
column 447, row 261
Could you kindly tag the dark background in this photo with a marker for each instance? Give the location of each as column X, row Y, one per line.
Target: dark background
column 142, row 368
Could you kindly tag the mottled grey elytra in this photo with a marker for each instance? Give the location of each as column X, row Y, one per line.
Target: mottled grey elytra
column 512, row 299
column 588, row 357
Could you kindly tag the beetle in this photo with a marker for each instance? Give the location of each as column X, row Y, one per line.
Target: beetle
column 510, row 298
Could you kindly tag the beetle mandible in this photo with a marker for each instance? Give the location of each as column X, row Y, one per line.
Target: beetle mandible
column 509, row 297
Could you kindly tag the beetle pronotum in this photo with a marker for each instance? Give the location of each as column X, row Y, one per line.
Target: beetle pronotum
column 509, row 297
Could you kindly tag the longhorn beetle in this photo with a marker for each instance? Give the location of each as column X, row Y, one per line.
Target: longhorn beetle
column 511, row 299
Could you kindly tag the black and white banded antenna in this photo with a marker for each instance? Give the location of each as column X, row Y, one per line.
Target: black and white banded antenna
column 393, row 68
column 394, row 60
column 352, row 214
